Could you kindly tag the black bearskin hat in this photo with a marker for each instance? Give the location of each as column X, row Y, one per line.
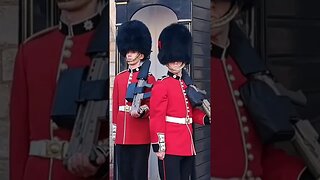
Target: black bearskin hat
column 175, row 44
column 134, row 36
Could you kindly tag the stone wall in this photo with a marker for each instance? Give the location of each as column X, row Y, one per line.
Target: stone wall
column 9, row 11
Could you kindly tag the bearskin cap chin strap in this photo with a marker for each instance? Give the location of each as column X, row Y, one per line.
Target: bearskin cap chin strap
column 227, row 17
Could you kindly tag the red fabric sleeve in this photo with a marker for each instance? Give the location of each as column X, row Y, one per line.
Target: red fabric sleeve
column 198, row 116
column 158, row 109
column 19, row 123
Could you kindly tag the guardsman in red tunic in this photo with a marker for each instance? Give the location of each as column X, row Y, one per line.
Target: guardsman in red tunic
column 171, row 113
column 131, row 128
column 37, row 144
column 237, row 151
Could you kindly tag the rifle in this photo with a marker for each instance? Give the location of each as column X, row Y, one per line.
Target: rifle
column 306, row 141
column 93, row 103
column 196, row 96
column 136, row 91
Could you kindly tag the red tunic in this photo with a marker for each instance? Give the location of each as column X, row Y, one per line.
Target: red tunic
column 168, row 100
column 130, row 130
column 33, row 89
column 235, row 145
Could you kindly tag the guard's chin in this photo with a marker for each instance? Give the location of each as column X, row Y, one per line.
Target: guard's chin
column 132, row 62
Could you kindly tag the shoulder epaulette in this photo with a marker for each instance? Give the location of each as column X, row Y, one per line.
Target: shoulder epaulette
column 40, row 33
column 162, row 78
column 122, row 71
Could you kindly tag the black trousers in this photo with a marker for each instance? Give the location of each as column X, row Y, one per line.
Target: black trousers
column 175, row 167
column 307, row 175
column 132, row 162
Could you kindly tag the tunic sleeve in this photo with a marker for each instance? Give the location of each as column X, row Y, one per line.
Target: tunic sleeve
column 19, row 123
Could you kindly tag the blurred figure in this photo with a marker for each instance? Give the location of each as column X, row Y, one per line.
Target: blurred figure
column 237, row 149
column 131, row 132
column 171, row 107
column 37, row 143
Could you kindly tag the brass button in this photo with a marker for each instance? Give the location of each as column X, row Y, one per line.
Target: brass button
column 248, row 146
column 66, row 54
column 63, row 67
column 229, row 67
column 68, row 43
column 236, row 93
column 246, row 129
column 232, row 78
column 244, row 119
column 250, row 157
column 239, row 103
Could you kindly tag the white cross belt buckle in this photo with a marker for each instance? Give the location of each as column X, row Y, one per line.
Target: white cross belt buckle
column 54, row 149
column 188, row 120
column 127, row 108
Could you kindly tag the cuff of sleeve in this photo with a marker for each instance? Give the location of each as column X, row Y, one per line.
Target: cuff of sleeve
column 161, row 145
column 206, row 120
column 114, row 128
column 114, row 132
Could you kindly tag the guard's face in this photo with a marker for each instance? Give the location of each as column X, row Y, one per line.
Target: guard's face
column 133, row 57
column 73, row 5
column 175, row 67
column 218, row 9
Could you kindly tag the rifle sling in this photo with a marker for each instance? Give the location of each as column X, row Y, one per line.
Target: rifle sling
column 144, row 71
column 93, row 90
column 186, row 77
